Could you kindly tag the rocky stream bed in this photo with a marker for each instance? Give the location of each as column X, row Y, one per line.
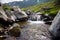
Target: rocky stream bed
column 32, row 31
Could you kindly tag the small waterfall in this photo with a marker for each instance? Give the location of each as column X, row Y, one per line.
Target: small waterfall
column 38, row 17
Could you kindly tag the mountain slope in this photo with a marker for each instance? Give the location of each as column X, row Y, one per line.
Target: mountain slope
column 24, row 4
column 46, row 8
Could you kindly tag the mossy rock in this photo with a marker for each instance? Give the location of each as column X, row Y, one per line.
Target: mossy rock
column 16, row 31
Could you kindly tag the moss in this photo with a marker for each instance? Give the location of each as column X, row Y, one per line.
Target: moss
column 16, row 31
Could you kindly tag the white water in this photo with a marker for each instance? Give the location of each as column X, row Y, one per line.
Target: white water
column 38, row 17
column 36, row 22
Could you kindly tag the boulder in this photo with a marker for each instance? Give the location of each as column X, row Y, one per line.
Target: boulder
column 2, row 14
column 17, row 9
column 28, row 12
column 10, row 15
column 21, row 16
column 55, row 27
column 3, row 17
column 14, row 30
column 2, row 33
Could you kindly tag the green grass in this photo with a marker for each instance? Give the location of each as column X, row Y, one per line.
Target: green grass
column 38, row 8
column 6, row 7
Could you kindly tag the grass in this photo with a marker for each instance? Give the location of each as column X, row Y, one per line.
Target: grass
column 39, row 7
column 6, row 7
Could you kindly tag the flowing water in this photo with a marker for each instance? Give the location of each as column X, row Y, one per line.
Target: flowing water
column 32, row 30
column 38, row 17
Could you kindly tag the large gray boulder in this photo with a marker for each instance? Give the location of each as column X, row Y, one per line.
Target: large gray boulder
column 20, row 15
column 11, row 16
column 55, row 27
column 4, row 19
column 2, row 14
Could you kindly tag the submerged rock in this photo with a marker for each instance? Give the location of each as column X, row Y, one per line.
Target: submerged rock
column 55, row 27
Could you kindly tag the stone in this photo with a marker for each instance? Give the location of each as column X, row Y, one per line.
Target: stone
column 2, row 33
column 11, row 16
column 21, row 16
column 55, row 27
column 2, row 14
column 14, row 30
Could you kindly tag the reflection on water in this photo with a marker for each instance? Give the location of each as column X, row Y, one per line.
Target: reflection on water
column 32, row 30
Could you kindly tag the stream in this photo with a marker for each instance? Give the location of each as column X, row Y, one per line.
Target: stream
column 32, row 30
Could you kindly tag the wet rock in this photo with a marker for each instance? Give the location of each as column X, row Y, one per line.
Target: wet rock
column 28, row 12
column 48, row 22
column 55, row 27
column 33, row 17
column 47, row 19
column 14, row 30
column 20, row 15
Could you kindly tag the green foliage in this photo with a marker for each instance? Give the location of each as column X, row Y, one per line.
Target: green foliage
column 24, row 9
column 6, row 7
column 39, row 8
column 57, row 2
column 16, row 31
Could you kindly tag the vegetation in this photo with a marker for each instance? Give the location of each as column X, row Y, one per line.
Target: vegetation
column 50, row 8
column 6, row 7
column 46, row 8
column 57, row 2
column 16, row 31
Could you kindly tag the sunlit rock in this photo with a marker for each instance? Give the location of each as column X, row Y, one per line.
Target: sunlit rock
column 2, row 14
column 20, row 15
column 11, row 16
column 55, row 27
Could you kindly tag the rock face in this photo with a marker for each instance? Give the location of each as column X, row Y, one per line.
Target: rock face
column 9, row 17
column 2, row 14
column 55, row 27
column 8, row 20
